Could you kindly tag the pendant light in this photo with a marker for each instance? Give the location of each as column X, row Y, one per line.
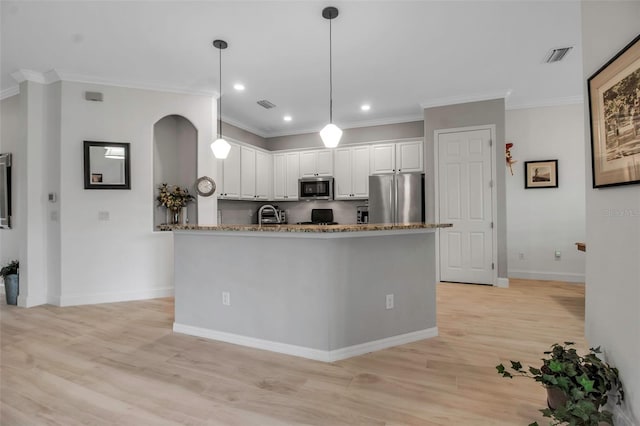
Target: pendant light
column 220, row 147
column 331, row 133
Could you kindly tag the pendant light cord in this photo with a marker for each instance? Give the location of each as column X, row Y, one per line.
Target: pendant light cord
column 330, row 76
column 220, row 95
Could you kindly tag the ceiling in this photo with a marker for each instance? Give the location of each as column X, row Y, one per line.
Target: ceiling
column 397, row 56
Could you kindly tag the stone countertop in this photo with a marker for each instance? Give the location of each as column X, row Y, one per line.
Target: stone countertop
column 306, row 228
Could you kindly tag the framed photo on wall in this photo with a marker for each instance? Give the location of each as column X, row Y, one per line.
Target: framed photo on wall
column 541, row 174
column 614, row 108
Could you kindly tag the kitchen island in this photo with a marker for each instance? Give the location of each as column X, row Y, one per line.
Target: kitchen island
column 320, row 292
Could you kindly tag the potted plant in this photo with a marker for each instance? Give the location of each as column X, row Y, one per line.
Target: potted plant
column 174, row 199
column 9, row 274
column 577, row 386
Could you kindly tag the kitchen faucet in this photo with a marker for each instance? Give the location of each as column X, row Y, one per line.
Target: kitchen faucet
column 268, row 206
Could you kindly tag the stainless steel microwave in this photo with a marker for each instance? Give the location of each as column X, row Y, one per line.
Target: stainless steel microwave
column 315, row 188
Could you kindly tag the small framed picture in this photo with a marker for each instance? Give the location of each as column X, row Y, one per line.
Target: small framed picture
column 96, row 177
column 541, row 174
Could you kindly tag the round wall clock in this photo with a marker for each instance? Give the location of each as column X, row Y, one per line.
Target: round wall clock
column 205, row 186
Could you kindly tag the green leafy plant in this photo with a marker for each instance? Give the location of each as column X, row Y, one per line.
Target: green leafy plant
column 10, row 268
column 585, row 382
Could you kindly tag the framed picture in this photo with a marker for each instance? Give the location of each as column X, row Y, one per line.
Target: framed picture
column 614, row 107
column 541, row 174
column 106, row 165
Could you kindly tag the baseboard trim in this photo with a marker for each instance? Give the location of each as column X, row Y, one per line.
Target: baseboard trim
column 304, row 352
column 92, row 299
column 502, row 283
column 547, row 276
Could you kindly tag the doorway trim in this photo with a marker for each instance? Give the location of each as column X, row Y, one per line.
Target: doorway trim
column 494, row 198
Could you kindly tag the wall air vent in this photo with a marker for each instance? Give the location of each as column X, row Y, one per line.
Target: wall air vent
column 556, row 55
column 266, row 104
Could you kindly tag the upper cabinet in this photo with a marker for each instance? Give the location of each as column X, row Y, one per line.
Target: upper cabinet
column 286, row 170
column 229, row 175
column 400, row 157
column 410, row 156
column 255, row 174
column 316, row 163
column 352, row 173
column 264, row 176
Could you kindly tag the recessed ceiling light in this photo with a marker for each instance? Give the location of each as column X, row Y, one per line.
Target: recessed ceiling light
column 287, row 118
column 239, row 87
column 365, row 107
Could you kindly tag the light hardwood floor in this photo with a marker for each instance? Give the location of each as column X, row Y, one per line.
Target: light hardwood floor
column 120, row 363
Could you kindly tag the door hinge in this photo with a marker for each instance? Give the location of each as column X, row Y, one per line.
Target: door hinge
column 493, row 266
column 491, row 183
column 490, row 142
column 491, row 225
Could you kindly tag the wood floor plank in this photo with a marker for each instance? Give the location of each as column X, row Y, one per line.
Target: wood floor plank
column 121, row 364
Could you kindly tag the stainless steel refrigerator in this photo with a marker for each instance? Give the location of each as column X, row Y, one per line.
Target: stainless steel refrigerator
column 396, row 198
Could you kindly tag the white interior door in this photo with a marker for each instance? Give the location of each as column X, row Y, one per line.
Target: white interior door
column 465, row 200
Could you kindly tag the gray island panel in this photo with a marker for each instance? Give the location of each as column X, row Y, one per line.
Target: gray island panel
column 304, row 293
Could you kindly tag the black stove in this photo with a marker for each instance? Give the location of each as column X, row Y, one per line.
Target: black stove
column 320, row 217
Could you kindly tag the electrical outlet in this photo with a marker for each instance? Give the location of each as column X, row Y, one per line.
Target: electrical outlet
column 226, row 298
column 557, row 254
column 389, row 301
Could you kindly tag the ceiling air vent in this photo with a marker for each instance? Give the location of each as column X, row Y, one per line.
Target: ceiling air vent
column 266, row 104
column 556, row 55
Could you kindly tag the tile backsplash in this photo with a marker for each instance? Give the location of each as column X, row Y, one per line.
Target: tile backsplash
column 234, row 212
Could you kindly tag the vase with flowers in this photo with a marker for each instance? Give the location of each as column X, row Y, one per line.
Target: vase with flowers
column 173, row 198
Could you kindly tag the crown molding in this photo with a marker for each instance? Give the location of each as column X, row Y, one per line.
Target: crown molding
column 54, row 75
column 465, row 99
column 569, row 100
column 243, row 126
column 345, row 125
column 11, row 91
column 87, row 79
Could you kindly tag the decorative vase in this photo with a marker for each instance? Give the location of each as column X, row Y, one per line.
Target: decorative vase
column 11, row 289
column 556, row 398
column 175, row 217
column 184, row 219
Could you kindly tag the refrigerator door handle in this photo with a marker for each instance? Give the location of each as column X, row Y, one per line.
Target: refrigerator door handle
column 394, row 189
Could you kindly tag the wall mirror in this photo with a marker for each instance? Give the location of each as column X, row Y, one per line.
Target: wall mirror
column 5, row 190
column 106, row 165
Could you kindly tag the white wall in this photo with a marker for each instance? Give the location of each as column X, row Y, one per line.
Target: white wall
column 9, row 140
column 613, row 241
column 541, row 221
column 122, row 258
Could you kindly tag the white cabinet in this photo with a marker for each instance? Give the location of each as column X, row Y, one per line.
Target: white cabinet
column 286, row 170
column 351, row 173
column 361, row 172
column 410, row 156
column 397, row 157
column 247, row 173
column 264, row 176
column 229, row 175
column 255, row 176
column 316, row 163
column 383, row 158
